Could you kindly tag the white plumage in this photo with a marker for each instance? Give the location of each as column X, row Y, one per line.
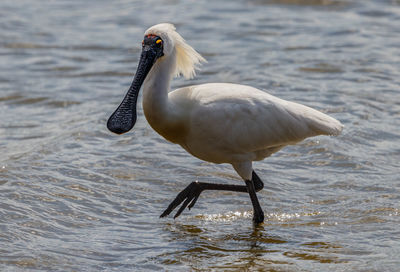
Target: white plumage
column 217, row 122
column 221, row 122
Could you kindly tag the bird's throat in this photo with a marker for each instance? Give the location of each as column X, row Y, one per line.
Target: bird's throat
column 158, row 107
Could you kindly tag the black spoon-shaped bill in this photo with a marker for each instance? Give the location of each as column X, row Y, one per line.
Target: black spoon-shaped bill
column 124, row 117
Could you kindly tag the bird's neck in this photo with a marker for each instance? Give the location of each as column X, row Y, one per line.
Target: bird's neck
column 156, row 106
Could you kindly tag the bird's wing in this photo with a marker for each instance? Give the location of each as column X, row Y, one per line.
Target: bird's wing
column 246, row 119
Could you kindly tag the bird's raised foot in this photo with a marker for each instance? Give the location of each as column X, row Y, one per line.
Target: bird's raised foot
column 189, row 195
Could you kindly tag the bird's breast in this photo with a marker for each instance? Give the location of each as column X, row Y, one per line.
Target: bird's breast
column 172, row 130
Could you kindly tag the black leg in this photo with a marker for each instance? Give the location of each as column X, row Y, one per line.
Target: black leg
column 258, row 184
column 258, row 216
column 192, row 192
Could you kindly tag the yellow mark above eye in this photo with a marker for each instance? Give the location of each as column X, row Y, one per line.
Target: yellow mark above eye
column 158, row 41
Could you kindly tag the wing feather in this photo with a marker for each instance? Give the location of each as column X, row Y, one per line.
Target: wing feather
column 237, row 119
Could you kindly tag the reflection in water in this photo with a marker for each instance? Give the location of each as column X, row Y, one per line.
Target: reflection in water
column 251, row 247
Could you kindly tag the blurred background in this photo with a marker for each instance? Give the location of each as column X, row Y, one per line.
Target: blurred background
column 74, row 197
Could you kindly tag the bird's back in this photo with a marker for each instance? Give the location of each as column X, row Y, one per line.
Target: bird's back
column 231, row 122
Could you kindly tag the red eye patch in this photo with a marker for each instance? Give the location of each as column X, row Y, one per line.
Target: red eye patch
column 150, row 36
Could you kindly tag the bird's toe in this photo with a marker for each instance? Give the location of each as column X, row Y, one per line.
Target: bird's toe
column 188, row 196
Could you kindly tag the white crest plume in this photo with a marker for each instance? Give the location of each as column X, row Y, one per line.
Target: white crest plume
column 187, row 59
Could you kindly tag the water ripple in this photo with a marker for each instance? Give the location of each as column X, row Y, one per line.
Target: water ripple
column 74, row 197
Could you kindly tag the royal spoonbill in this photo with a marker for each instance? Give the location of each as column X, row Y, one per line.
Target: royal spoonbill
column 215, row 122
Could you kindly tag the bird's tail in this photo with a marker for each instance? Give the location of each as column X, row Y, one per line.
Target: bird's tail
column 323, row 124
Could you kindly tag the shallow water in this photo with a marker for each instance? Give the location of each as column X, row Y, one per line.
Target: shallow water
column 74, row 197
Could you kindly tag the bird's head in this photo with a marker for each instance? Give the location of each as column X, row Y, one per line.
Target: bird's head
column 187, row 59
column 160, row 41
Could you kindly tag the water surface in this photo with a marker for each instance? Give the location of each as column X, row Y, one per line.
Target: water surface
column 74, row 197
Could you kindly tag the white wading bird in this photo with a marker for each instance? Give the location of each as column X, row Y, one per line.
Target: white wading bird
column 216, row 122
